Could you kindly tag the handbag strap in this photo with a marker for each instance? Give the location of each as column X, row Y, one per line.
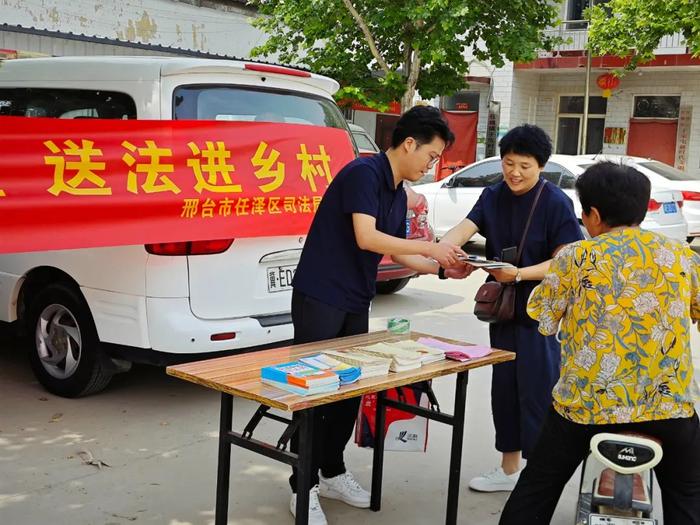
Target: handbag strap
column 529, row 220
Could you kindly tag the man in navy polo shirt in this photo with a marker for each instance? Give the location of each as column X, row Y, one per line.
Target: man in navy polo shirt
column 361, row 217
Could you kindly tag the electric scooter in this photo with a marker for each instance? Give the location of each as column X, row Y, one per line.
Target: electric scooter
column 617, row 480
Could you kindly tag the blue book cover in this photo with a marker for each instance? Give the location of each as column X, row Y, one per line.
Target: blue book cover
column 297, row 373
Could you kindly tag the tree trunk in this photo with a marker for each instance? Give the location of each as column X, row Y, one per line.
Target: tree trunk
column 412, row 68
column 407, row 98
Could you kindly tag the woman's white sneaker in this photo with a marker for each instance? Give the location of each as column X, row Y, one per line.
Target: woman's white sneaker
column 316, row 515
column 495, row 481
column 345, row 488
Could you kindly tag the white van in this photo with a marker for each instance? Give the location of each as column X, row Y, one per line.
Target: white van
column 92, row 312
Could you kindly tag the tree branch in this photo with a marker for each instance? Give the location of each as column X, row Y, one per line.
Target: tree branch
column 368, row 35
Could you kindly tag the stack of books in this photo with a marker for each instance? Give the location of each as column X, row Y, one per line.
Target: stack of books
column 370, row 365
column 346, row 373
column 300, row 378
column 428, row 354
column 401, row 360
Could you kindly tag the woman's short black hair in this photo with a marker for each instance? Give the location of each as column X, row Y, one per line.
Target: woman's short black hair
column 620, row 193
column 527, row 139
column 423, row 123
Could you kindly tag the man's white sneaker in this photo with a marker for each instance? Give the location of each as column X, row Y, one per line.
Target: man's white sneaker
column 316, row 515
column 346, row 489
column 495, row 481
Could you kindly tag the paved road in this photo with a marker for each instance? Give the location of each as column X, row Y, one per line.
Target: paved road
column 158, row 435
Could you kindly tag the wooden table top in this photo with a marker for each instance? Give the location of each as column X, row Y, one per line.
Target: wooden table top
column 239, row 375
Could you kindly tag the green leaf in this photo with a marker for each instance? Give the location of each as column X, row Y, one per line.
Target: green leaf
column 634, row 28
column 324, row 36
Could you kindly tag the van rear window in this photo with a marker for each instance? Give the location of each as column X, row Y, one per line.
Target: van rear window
column 65, row 103
column 216, row 102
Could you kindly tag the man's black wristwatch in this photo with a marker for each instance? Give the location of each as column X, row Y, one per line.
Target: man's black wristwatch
column 441, row 273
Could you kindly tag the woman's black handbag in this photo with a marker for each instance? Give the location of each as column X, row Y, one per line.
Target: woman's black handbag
column 495, row 302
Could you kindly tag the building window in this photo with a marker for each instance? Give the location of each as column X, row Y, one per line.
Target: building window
column 596, row 105
column 653, row 106
column 570, row 127
column 575, row 9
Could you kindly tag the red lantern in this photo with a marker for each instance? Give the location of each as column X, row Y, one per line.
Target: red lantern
column 607, row 82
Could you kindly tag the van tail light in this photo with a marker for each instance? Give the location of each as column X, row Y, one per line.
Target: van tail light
column 691, row 196
column 653, row 205
column 190, row 247
column 223, row 336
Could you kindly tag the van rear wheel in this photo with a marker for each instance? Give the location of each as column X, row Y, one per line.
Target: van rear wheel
column 65, row 354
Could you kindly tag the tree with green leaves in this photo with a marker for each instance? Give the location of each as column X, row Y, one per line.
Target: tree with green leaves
column 385, row 50
column 635, row 27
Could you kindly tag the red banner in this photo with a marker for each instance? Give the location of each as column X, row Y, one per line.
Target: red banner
column 81, row 183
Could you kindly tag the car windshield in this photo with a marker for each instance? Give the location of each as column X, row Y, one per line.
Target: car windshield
column 668, row 172
column 216, row 102
column 363, row 141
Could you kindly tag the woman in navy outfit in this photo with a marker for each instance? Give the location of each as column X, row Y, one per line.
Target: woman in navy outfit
column 520, row 389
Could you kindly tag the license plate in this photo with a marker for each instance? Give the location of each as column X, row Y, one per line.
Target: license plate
column 279, row 278
column 670, row 207
column 597, row 519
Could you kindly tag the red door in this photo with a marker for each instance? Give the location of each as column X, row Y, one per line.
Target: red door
column 655, row 139
column 463, row 151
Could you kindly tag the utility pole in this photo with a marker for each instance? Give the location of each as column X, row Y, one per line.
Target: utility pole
column 586, row 95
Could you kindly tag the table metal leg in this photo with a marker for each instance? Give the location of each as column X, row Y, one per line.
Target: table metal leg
column 378, row 456
column 224, row 468
column 456, row 451
column 304, row 465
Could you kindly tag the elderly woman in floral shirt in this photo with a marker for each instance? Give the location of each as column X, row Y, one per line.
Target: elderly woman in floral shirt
column 623, row 303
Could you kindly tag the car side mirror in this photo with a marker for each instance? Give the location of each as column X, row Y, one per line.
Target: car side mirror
column 449, row 183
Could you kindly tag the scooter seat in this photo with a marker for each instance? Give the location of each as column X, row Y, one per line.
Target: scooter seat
column 605, row 488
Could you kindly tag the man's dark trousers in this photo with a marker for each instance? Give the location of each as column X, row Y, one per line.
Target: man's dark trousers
column 334, row 422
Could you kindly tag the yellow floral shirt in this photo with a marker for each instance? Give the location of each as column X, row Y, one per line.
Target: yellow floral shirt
column 625, row 300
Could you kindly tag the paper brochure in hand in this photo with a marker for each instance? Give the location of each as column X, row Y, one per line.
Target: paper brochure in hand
column 480, row 262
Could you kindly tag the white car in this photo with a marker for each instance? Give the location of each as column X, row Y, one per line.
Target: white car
column 365, row 144
column 451, row 199
column 664, row 175
column 91, row 312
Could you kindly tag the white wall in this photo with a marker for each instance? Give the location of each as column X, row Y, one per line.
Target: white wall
column 501, row 91
column 163, row 22
column 620, row 104
column 524, row 93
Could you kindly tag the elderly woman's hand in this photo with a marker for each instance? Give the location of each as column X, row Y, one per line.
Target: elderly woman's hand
column 459, row 271
column 504, row 275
